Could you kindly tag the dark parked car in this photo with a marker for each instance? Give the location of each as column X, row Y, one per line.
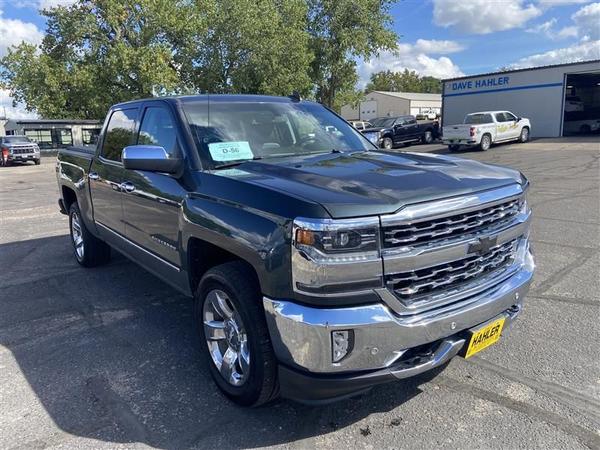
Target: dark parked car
column 319, row 266
column 390, row 132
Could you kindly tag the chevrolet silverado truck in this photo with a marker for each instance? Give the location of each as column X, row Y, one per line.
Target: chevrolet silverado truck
column 319, row 266
column 482, row 129
column 390, row 132
column 19, row 149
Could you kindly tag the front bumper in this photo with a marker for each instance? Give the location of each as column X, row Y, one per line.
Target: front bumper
column 23, row 157
column 301, row 337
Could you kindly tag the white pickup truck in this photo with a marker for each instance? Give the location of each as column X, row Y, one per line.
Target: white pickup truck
column 482, row 129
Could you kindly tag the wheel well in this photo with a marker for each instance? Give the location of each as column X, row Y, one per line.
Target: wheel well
column 69, row 197
column 202, row 256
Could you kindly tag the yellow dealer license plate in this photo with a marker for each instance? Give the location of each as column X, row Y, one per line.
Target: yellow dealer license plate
column 485, row 337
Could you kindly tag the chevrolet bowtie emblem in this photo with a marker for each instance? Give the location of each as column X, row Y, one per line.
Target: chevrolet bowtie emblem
column 482, row 245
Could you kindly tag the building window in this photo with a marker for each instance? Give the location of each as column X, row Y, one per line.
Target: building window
column 42, row 137
column 90, row 135
column 63, row 137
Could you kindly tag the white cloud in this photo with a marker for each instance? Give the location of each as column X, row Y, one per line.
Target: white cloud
column 46, row 4
column 547, row 29
column 587, row 20
column 435, row 47
column 483, row 16
column 14, row 31
column 13, row 112
column 562, row 2
column 414, row 57
column 584, row 51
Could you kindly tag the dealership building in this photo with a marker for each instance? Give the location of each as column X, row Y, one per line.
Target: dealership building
column 53, row 134
column 390, row 104
column 559, row 100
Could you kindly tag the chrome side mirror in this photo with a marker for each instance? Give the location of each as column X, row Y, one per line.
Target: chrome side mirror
column 152, row 158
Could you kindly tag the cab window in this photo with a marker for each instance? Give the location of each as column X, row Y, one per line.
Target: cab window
column 158, row 128
column 119, row 133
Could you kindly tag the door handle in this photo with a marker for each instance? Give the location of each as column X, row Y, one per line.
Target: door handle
column 127, row 186
column 93, row 176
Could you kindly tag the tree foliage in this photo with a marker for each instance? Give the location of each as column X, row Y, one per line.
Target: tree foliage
column 99, row 52
column 406, row 81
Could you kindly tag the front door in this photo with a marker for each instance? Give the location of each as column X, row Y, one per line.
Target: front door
column 106, row 172
column 152, row 201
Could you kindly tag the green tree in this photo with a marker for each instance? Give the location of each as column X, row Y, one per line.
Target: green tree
column 406, row 81
column 342, row 31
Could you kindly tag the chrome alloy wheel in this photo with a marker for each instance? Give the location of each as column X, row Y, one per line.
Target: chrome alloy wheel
column 226, row 337
column 77, row 235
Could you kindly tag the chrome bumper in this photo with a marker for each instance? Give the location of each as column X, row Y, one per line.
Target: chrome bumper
column 301, row 335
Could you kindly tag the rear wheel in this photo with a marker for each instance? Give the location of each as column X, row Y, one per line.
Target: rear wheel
column 486, row 142
column 387, row 143
column 231, row 323
column 88, row 249
column 427, row 138
column 524, row 137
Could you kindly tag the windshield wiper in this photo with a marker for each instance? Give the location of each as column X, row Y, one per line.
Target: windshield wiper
column 237, row 163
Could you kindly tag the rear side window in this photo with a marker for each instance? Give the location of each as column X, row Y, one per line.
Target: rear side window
column 158, row 129
column 119, row 133
column 478, row 118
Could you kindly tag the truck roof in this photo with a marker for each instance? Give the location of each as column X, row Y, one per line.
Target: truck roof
column 488, row 112
column 215, row 98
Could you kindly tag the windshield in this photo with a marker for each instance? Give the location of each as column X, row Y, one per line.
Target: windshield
column 384, row 122
column 16, row 139
column 236, row 131
column 478, row 118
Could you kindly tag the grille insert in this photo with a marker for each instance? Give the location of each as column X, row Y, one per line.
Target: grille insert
column 428, row 231
column 410, row 286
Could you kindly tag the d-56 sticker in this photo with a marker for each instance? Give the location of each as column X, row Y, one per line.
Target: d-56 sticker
column 230, row 151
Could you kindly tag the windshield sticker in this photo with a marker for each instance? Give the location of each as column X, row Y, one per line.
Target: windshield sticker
column 230, row 151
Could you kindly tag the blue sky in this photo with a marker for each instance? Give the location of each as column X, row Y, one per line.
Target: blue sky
column 442, row 38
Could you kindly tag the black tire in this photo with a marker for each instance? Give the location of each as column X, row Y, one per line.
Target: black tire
column 387, row 143
column 37, row 162
column 95, row 252
column 237, row 280
column 486, row 142
column 454, row 147
column 524, row 136
column 427, row 137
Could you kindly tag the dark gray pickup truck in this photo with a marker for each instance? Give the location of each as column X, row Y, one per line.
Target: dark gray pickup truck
column 319, row 265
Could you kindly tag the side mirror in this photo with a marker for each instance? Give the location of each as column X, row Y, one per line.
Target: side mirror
column 152, row 158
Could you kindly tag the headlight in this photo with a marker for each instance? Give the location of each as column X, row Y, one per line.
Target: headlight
column 337, row 241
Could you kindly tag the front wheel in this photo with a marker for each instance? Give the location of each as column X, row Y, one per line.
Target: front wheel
column 486, row 142
column 233, row 330
column 387, row 143
column 524, row 137
column 89, row 250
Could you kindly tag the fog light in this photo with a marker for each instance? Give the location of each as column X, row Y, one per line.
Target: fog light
column 341, row 344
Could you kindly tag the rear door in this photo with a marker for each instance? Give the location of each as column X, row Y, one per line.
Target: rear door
column 152, row 201
column 106, row 172
column 412, row 128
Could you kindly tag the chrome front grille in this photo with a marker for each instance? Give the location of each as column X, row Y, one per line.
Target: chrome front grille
column 23, row 150
column 411, row 286
column 424, row 232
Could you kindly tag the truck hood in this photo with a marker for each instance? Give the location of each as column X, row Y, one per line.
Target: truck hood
column 374, row 129
column 370, row 183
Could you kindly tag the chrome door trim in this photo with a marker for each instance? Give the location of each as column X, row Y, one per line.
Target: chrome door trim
column 130, row 242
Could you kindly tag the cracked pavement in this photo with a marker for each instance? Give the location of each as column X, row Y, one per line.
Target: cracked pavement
column 108, row 358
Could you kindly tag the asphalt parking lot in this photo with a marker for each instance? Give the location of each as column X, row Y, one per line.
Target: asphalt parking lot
column 107, row 357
